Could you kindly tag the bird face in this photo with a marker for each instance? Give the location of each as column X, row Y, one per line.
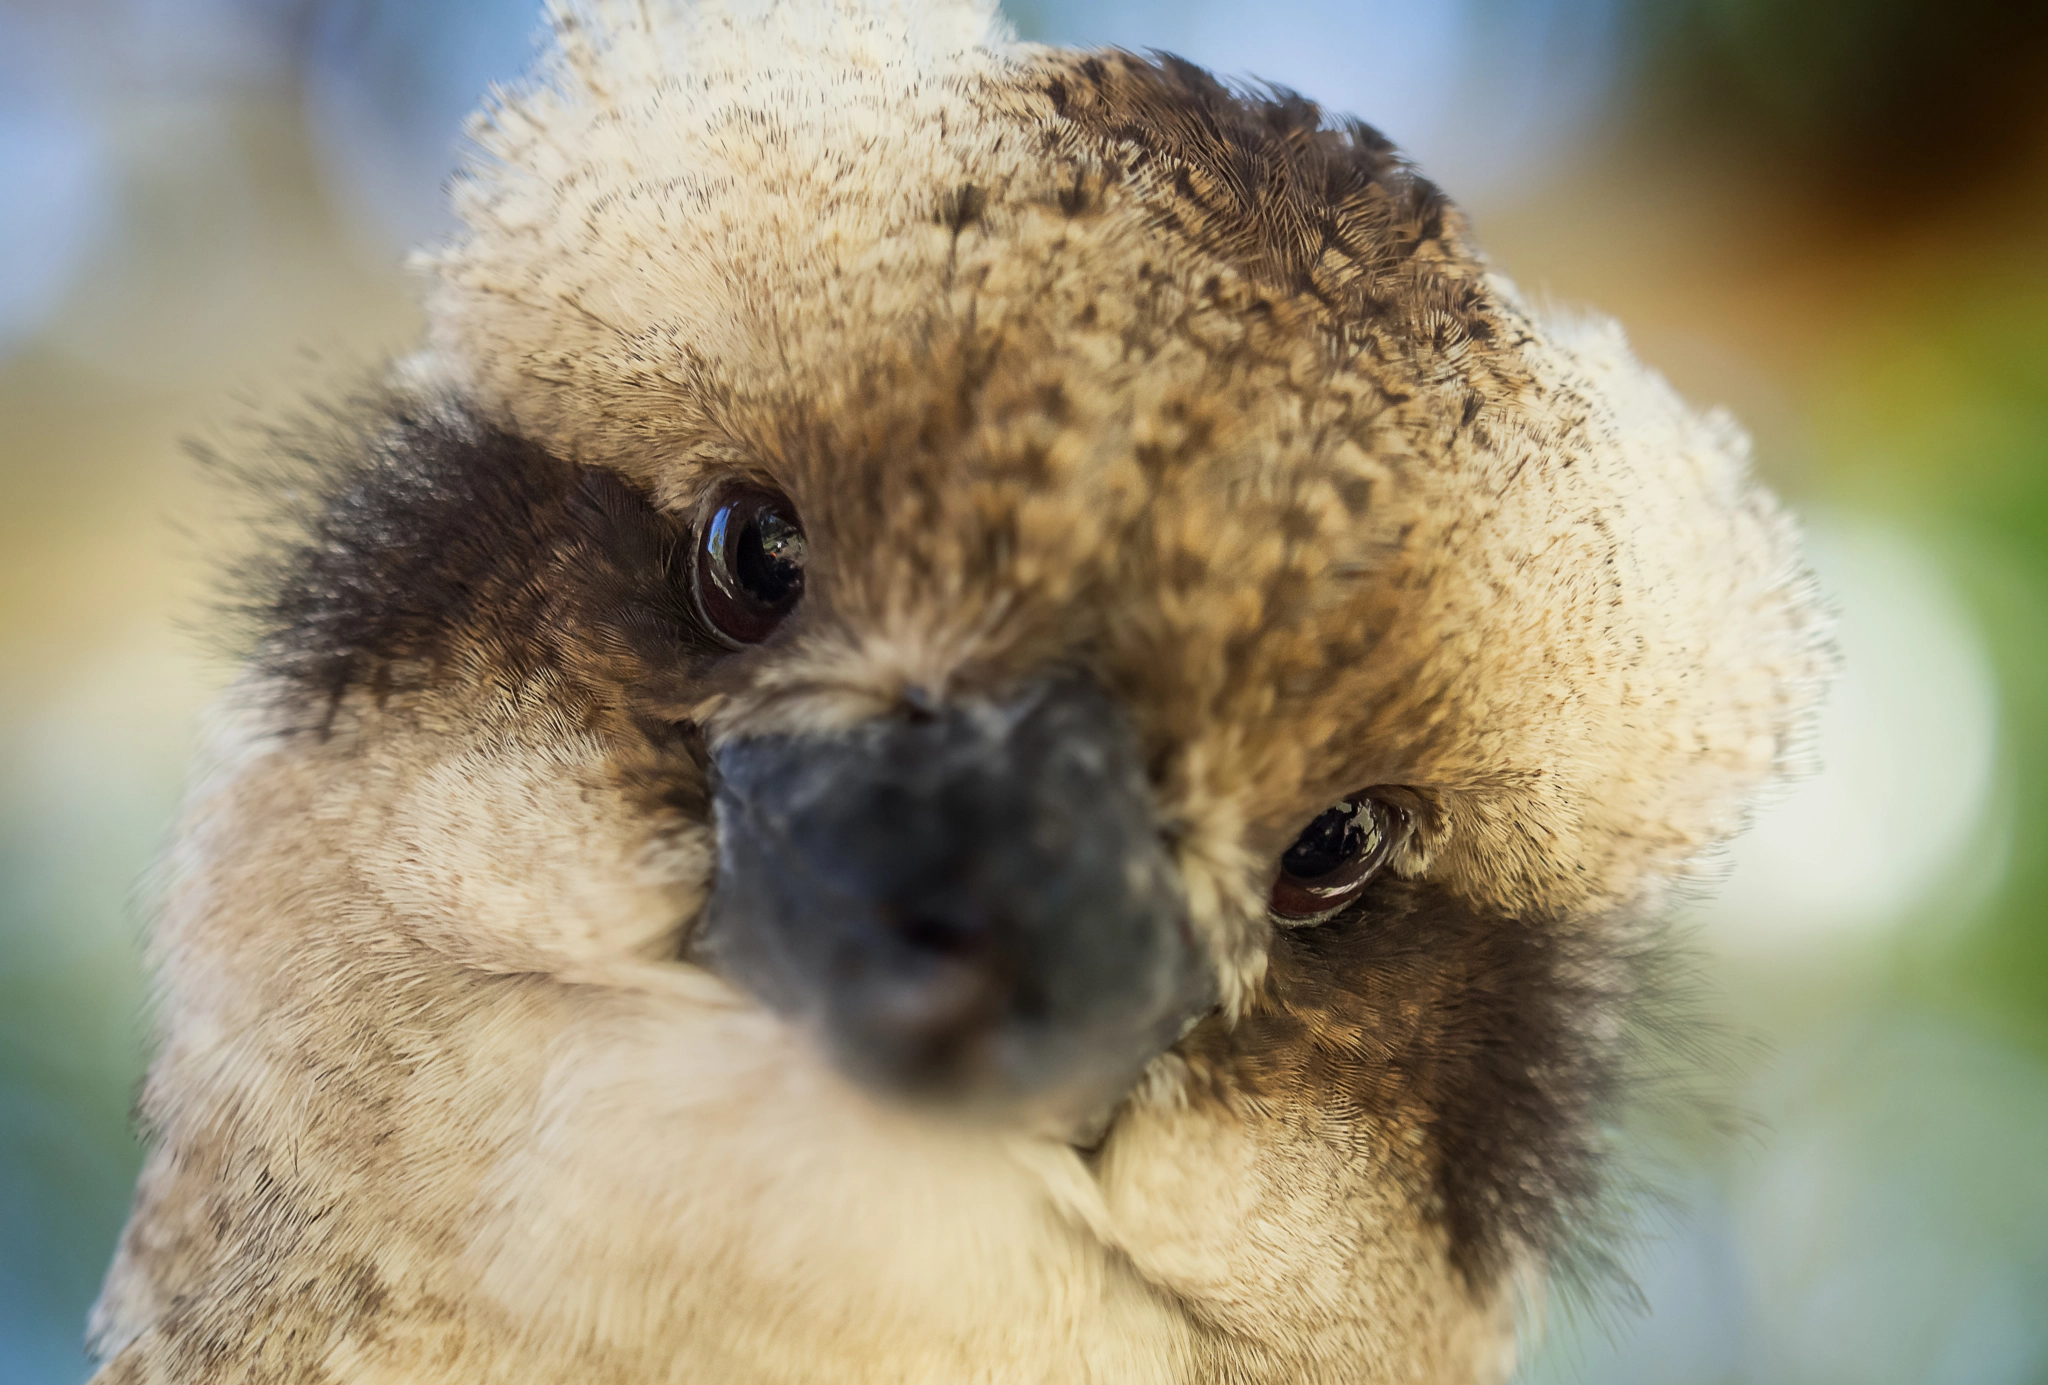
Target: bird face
column 980, row 714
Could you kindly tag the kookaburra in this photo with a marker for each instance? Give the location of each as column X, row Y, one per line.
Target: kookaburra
column 978, row 714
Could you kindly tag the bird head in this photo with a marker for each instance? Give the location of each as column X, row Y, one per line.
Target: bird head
column 979, row 713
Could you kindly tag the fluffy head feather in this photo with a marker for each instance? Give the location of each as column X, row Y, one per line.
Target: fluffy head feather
column 1070, row 362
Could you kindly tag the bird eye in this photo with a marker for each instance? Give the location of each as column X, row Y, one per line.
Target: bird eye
column 750, row 564
column 1332, row 861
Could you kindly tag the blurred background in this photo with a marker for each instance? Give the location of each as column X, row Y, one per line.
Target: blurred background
column 1829, row 215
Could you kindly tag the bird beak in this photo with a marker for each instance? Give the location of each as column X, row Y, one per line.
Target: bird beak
column 973, row 905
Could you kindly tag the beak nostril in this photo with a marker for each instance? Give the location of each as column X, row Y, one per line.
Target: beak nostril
column 921, row 702
column 940, row 934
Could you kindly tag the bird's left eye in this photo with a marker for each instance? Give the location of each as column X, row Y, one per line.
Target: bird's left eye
column 750, row 564
column 1336, row 857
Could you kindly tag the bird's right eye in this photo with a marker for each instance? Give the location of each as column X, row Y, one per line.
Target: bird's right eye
column 749, row 570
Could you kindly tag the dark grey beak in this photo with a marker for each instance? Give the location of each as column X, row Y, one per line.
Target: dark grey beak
column 973, row 905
